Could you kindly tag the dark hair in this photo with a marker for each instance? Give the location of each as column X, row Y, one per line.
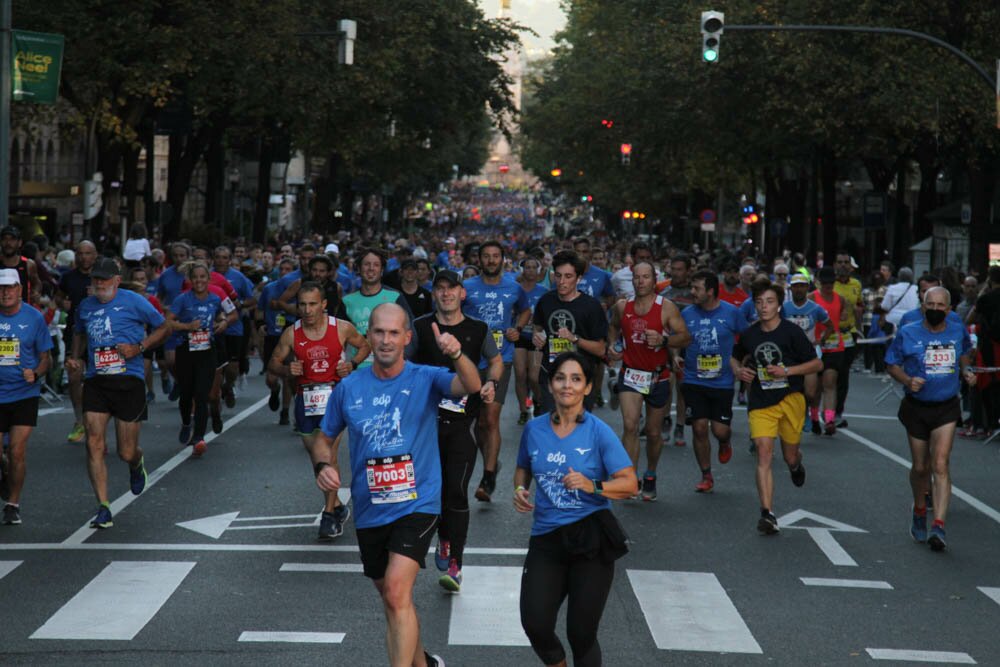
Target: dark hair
column 222, row 248
column 582, row 239
column 138, row 231
column 639, row 245
column 929, row 278
column 710, row 278
column 132, row 271
column 682, row 257
column 307, row 247
column 491, row 244
column 569, row 257
column 287, row 260
column 312, row 285
column 586, row 364
column 759, row 287
column 322, row 259
column 371, row 251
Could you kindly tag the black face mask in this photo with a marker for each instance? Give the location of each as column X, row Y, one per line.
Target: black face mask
column 934, row 317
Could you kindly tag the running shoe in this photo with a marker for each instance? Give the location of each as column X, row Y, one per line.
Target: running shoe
column 816, row 427
column 103, row 518
column 741, row 398
column 274, row 401
column 705, row 485
column 216, row 423
column 523, row 419
column 175, row 392
column 327, row 529
column 283, row 418
column 725, row 452
column 613, row 394
column 11, row 515
column 137, row 477
column 150, row 397
column 668, row 423
column 768, row 525
column 341, row 513
column 798, row 475
column 433, row 660
column 753, row 447
column 185, row 435
column 841, row 422
column 929, row 501
column 77, row 434
column 649, row 487
column 452, row 579
column 487, row 486
column 442, row 555
column 830, row 428
column 199, row 449
column 164, row 382
column 918, row 528
column 936, row 540
column 679, row 436
column 229, row 396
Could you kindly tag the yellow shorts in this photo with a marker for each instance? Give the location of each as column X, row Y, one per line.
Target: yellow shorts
column 784, row 419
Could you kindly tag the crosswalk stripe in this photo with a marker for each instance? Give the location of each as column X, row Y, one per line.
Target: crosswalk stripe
column 846, row 583
column 690, row 611
column 991, row 593
column 134, row 590
column 907, row 655
column 8, row 566
column 321, row 567
column 488, row 611
column 294, row 637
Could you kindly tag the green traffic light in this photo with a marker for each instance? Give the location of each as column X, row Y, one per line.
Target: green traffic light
column 710, row 55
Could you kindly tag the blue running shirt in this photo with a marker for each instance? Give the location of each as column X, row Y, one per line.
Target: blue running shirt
column 932, row 356
column 244, row 290
column 498, row 306
column 24, row 338
column 169, row 285
column 596, row 282
column 706, row 359
column 806, row 316
column 122, row 320
column 187, row 308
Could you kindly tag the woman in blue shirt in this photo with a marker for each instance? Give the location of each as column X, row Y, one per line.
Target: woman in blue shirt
column 579, row 464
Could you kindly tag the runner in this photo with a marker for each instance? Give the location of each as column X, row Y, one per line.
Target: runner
column 849, row 288
column 170, row 285
column 111, row 330
column 527, row 359
column 24, row 358
column 395, row 465
column 775, row 355
column 359, row 305
column 236, row 342
column 27, row 270
column 139, row 283
column 595, row 282
column 272, row 323
column 199, row 317
column 75, row 286
column 815, row 324
column 499, row 301
column 928, row 358
column 832, row 347
column 679, row 293
column 417, row 297
column 708, row 372
column 650, row 326
column 311, row 351
column 456, row 442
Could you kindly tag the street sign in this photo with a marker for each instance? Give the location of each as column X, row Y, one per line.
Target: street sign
column 708, row 215
column 708, row 226
column 822, row 534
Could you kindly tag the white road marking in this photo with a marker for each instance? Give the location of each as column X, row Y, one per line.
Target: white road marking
column 955, row 491
column 321, row 567
column 8, row 566
column 846, row 583
column 215, row 526
column 155, row 476
column 294, row 637
column 830, row 547
column 991, row 593
column 822, row 535
column 135, row 591
column 488, row 611
column 51, row 411
column 907, row 655
column 213, row 546
column 690, row 611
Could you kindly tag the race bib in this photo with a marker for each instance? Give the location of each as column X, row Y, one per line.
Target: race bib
column 709, row 366
column 498, row 338
column 768, row 381
column 200, row 340
column 279, row 320
column 391, row 479
column 454, row 406
column 108, row 361
column 10, row 351
column 831, row 342
column 940, row 359
column 315, row 397
column 559, row 345
column 228, row 306
column 641, row 381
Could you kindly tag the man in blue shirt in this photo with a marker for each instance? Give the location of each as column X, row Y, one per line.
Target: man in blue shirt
column 388, row 409
column 928, row 358
column 499, row 301
column 170, row 284
column 236, row 342
column 273, row 322
column 111, row 327
column 24, row 357
column 708, row 371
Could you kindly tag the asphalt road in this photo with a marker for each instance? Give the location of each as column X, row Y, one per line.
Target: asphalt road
column 218, row 556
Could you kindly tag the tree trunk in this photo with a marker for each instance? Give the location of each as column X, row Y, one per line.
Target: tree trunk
column 109, row 159
column 215, row 166
column 903, row 237
column 982, row 184
column 263, row 206
column 185, row 151
column 828, row 183
column 927, row 200
column 323, row 186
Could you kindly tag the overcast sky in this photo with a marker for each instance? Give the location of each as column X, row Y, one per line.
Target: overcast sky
column 543, row 16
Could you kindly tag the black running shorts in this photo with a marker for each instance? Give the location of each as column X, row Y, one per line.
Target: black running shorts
column 919, row 418
column 121, row 396
column 408, row 536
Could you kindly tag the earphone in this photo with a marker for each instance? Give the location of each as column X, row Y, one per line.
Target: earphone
column 555, row 418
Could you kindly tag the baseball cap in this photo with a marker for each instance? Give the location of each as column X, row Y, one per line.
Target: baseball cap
column 799, row 279
column 450, row 239
column 105, row 268
column 11, row 230
column 408, row 263
column 9, row 277
column 827, row 274
column 332, row 247
column 449, row 276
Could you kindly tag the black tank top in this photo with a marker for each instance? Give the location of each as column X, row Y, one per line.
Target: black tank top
column 470, row 334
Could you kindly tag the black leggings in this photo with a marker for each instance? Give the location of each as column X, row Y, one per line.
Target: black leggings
column 550, row 575
column 457, row 446
column 844, row 377
column 194, row 372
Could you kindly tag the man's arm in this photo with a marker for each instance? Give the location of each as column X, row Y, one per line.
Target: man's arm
column 350, row 335
column 672, row 321
column 284, row 302
column 277, row 366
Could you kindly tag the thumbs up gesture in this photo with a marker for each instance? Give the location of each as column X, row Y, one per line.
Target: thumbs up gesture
column 447, row 343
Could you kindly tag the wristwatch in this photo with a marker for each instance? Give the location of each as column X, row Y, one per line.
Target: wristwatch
column 354, row 364
column 598, row 487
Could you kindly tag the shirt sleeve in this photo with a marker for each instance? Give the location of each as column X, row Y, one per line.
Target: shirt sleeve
column 740, row 323
column 43, row 340
column 613, row 454
column 966, row 341
column 598, row 323
column 441, row 382
column 523, row 458
column 523, row 303
column 148, row 313
column 607, row 288
column 894, row 355
column 489, row 348
column 821, row 314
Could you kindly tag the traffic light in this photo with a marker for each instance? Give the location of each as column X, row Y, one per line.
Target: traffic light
column 711, row 34
column 93, row 192
column 556, row 172
column 586, row 199
column 750, row 215
column 607, row 123
column 626, row 151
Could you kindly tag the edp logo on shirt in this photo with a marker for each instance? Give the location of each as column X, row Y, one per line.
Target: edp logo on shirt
column 381, row 401
column 556, row 457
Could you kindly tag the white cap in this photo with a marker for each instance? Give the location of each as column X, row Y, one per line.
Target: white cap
column 450, row 239
column 9, row 277
column 332, row 247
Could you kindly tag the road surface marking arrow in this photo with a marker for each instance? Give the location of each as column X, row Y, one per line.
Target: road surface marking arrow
column 822, row 535
column 215, row 526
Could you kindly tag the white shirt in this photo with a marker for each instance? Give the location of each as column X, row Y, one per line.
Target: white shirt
column 136, row 249
column 900, row 298
column 621, row 281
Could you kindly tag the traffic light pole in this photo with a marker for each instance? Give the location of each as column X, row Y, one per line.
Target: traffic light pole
column 962, row 55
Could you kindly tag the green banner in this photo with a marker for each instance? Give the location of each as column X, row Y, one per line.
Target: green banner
column 37, row 61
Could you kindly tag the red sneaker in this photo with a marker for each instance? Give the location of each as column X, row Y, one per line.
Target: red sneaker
column 199, row 448
column 725, row 453
column 705, row 485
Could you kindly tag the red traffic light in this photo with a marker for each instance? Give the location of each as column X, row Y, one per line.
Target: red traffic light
column 504, row 168
column 607, row 123
column 626, row 149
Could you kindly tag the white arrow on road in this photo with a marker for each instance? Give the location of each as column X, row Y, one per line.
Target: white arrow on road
column 822, row 534
column 215, row 526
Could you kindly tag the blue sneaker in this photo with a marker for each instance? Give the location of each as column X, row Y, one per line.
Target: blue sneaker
column 936, row 539
column 341, row 514
column 442, row 555
column 185, row 435
column 326, row 529
column 918, row 529
column 103, row 518
column 452, row 579
column 137, row 477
